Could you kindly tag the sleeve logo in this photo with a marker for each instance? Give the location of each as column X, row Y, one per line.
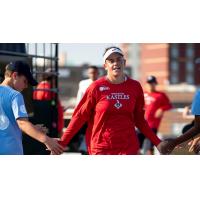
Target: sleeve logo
column 22, row 109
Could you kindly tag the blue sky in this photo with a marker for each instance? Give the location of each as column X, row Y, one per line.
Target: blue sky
column 79, row 53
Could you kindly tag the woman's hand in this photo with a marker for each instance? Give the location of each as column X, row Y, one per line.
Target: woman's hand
column 195, row 145
column 53, row 146
column 166, row 146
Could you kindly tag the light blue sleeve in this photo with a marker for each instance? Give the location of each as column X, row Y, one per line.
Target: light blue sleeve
column 196, row 104
column 18, row 107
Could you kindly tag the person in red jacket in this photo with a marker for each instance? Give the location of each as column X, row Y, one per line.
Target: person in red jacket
column 43, row 92
column 112, row 106
column 156, row 103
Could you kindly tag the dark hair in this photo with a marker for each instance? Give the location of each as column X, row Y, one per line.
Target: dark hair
column 110, row 48
column 93, row 67
column 48, row 75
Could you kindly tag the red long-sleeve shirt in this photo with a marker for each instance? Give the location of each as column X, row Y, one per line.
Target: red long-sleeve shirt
column 112, row 112
column 154, row 101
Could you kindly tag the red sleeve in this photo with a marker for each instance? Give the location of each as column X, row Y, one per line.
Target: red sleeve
column 37, row 95
column 47, row 95
column 140, row 122
column 43, row 95
column 60, row 117
column 166, row 105
column 81, row 114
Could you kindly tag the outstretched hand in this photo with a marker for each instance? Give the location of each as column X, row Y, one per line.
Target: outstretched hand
column 166, row 146
column 53, row 146
column 195, row 145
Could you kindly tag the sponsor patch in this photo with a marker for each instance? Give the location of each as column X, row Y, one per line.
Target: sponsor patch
column 103, row 88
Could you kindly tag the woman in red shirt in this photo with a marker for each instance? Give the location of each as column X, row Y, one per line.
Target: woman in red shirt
column 112, row 106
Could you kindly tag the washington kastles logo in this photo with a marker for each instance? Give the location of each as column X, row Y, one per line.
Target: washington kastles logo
column 118, row 97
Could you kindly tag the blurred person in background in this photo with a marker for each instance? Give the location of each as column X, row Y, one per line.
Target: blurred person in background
column 112, row 106
column 156, row 103
column 43, row 92
column 93, row 74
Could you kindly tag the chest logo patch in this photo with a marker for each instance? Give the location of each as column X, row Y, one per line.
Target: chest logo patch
column 118, row 105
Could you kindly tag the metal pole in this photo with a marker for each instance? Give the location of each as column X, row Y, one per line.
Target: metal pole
column 44, row 56
column 56, row 63
column 36, row 68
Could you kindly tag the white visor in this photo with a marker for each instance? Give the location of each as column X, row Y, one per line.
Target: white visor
column 110, row 51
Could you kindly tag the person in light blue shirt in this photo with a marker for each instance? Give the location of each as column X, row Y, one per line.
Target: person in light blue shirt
column 195, row 109
column 11, row 108
column 13, row 115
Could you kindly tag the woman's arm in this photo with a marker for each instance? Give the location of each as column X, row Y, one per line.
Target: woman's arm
column 81, row 114
column 140, row 122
